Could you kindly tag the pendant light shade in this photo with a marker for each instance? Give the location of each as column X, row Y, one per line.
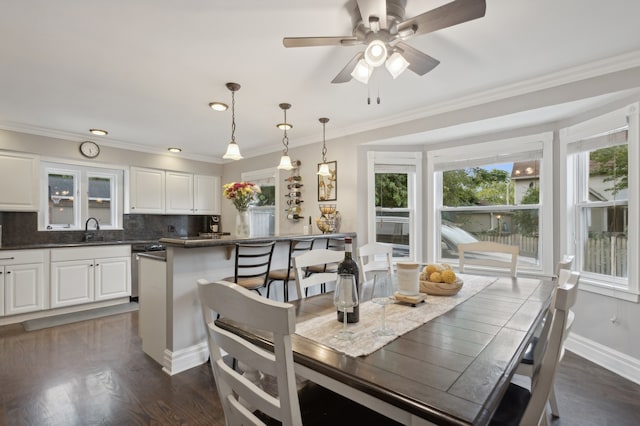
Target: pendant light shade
column 396, row 64
column 233, row 150
column 324, row 167
column 285, row 161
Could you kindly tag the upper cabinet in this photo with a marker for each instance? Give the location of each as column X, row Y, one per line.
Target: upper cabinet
column 167, row 192
column 19, row 177
column 206, row 198
column 147, row 190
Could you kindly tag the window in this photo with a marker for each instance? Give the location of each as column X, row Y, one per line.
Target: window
column 76, row 193
column 394, row 202
column 492, row 195
column 602, row 200
column 262, row 214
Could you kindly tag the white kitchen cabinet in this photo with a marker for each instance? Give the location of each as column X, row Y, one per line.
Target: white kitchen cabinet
column 167, row 192
column 207, row 190
column 179, row 195
column 20, row 182
column 88, row 274
column 147, row 191
column 22, row 281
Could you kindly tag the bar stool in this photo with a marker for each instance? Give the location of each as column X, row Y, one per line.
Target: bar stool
column 253, row 262
column 296, row 246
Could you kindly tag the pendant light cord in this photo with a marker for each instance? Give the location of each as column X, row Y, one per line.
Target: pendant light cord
column 233, row 116
column 324, row 144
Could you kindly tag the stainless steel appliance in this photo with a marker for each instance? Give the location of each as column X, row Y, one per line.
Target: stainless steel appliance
column 135, row 250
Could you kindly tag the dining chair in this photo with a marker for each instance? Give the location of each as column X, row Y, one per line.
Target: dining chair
column 317, row 258
column 252, row 265
column 489, row 254
column 296, row 246
column 521, row 406
column 374, row 257
column 336, row 244
column 265, row 390
column 532, row 356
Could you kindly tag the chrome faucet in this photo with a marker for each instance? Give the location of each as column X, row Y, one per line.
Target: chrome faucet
column 88, row 235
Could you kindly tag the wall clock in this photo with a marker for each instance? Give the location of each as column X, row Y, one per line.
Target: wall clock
column 89, row 149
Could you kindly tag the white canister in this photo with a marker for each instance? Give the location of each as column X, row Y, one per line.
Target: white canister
column 408, row 278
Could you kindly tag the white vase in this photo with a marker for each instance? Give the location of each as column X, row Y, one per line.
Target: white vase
column 243, row 230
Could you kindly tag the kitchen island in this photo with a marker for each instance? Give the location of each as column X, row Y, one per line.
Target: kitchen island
column 187, row 260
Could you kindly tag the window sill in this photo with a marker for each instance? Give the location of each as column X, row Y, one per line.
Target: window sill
column 609, row 291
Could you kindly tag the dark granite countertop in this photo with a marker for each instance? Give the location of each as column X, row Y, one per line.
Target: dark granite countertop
column 195, row 242
column 78, row 244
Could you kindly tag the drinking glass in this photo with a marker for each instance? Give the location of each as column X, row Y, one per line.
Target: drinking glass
column 345, row 296
column 382, row 294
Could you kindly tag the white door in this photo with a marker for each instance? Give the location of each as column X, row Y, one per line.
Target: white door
column 206, row 194
column 147, row 190
column 112, row 278
column 72, row 282
column 24, row 288
column 179, row 196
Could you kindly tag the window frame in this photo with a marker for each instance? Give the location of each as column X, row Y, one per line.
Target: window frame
column 495, row 152
column 574, row 145
column 81, row 174
column 398, row 162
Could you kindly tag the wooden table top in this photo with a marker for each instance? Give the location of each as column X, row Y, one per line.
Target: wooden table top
column 453, row 369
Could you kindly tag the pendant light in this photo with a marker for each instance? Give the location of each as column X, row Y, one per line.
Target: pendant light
column 324, row 167
column 233, row 150
column 285, row 161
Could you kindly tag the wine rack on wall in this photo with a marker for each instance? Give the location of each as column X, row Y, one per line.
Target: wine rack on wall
column 293, row 195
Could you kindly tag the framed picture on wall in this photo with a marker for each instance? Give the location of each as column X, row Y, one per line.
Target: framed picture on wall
column 328, row 185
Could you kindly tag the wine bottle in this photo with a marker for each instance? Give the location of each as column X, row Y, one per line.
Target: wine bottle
column 349, row 266
column 296, row 216
column 295, row 186
column 293, row 194
column 294, row 201
column 293, row 178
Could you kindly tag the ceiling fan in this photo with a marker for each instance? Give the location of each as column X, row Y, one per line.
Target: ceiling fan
column 383, row 28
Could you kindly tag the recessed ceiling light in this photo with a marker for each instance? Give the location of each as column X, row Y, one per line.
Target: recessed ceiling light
column 218, row 106
column 175, row 149
column 99, row 132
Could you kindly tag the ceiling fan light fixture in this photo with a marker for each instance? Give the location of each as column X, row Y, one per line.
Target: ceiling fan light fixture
column 396, row 64
column 362, row 71
column 233, row 150
column 376, row 53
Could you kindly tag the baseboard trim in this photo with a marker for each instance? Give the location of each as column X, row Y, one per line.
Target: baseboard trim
column 184, row 359
column 617, row 362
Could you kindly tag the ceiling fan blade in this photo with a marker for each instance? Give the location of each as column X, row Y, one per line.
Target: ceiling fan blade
column 317, row 41
column 345, row 75
column 450, row 14
column 419, row 62
column 375, row 8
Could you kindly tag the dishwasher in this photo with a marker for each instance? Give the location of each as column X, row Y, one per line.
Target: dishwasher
column 136, row 249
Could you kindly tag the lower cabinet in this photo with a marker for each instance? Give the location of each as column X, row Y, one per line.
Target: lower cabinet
column 89, row 274
column 22, row 281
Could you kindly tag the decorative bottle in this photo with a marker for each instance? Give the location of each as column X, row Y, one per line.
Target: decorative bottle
column 349, row 266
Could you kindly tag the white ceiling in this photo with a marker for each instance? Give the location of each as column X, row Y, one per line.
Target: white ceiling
column 146, row 70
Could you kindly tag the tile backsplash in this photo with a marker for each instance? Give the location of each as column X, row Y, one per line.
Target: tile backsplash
column 21, row 228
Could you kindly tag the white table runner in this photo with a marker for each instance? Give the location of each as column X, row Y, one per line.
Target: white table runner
column 400, row 317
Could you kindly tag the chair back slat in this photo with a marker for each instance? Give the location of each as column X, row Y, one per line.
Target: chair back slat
column 316, row 257
column 239, row 395
column 253, row 260
column 375, row 257
column 489, row 254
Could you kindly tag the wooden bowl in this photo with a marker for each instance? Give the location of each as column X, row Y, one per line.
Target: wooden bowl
column 441, row 289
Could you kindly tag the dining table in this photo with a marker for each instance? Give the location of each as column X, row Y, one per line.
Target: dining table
column 450, row 363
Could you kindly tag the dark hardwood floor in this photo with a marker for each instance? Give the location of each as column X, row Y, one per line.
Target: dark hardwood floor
column 94, row 372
